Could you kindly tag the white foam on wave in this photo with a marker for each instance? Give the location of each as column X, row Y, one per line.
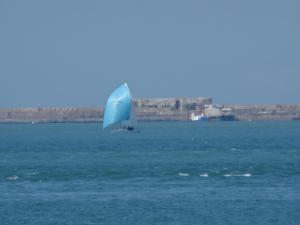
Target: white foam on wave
column 238, row 175
column 246, row 175
column 203, row 174
column 243, row 175
column 227, row 175
column 90, row 175
column 31, row 173
column 14, row 177
column 183, row 174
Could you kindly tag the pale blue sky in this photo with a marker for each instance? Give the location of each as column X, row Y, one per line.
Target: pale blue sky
column 74, row 53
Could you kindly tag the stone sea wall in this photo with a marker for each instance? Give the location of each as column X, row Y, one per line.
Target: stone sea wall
column 152, row 109
column 146, row 109
column 266, row 112
column 51, row 115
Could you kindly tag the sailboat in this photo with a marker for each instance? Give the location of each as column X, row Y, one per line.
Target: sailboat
column 119, row 110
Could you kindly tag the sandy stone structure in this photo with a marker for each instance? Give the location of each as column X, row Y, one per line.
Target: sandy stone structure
column 266, row 112
column 152, row 109
column 169, row 108
column 51, row 115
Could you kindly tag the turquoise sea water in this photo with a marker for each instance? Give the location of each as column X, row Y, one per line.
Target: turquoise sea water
column 167, row 173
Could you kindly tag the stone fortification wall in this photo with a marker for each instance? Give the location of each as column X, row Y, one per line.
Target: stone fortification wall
column 173, row 103
column 169, row 108
column 152, row 109
column 161, row 114
column 51, row 115
column 266, row 112
column 146, row 109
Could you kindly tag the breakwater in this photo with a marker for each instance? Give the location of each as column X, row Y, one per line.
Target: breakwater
column 51, row 115
column 153, row 109
column 266, row 112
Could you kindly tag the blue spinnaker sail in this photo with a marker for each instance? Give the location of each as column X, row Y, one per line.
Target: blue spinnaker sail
column 118, row 106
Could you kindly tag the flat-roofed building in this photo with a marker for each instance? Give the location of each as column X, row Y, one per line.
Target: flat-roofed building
column 195, row 103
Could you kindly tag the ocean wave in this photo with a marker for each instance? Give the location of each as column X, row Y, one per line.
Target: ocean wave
column 30, row 173
column 203, row 174
column 238, row 175
column 13, row 177
column 227, row 175
column 183, row 174
column 245, row 175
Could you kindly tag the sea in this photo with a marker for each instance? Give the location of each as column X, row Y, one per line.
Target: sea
column 177, row 173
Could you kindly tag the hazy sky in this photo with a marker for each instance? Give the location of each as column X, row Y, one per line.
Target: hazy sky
column 74, row 53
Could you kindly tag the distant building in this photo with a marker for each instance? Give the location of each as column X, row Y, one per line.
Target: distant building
column 196, row 103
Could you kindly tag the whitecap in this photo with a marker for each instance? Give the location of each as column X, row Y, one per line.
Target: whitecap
column 203, row 174
column 227, row 175
column 247, row 175
column 90, row 175
column 238, row 175
column 14, row 177
column 244, row 175
column 31, row 172
column 183, row 174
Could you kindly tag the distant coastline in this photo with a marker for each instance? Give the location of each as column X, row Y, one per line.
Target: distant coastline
column 162, row 109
